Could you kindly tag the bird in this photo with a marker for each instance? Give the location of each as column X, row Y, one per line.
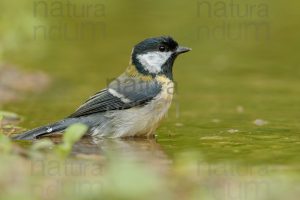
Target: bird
column 133, row 104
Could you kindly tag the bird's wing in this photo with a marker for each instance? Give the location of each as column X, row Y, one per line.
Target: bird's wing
column 122, row 93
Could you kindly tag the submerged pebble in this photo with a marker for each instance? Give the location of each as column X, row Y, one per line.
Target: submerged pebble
column 14, row 83
column 260, row 122
column 240, row 109
column 216, row 121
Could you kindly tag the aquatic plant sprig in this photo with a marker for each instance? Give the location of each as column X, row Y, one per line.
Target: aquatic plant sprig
column 72, row 134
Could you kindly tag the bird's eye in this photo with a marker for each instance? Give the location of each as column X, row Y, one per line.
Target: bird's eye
column 162, row 48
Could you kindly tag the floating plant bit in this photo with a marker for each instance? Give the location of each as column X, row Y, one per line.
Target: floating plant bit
column 260, row 122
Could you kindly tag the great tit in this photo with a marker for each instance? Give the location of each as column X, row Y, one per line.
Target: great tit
column 134, row 103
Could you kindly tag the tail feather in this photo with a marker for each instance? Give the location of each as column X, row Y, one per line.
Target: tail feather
column 44, row 130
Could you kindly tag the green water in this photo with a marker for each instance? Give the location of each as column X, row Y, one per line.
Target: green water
column 224, row 84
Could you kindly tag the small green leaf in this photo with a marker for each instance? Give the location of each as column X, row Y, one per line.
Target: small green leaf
column 74, row 133
column 42, row 144
column 63, row 149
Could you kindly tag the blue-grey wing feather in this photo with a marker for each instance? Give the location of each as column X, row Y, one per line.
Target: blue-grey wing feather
column 131, row 92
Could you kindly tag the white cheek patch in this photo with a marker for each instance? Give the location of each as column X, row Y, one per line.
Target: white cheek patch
column 153, row 61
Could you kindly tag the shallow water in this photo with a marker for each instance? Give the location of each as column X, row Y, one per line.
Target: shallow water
column 237, row 100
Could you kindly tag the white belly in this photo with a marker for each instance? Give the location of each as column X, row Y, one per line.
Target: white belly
column 139, row 120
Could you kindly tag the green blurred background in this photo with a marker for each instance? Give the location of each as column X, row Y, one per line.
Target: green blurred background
column 244, row 67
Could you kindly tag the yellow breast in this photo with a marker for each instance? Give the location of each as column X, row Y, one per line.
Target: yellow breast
column 167, row 87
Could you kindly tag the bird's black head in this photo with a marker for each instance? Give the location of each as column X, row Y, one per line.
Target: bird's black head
column 155, row 56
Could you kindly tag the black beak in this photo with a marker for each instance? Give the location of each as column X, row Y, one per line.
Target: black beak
column 181, row 50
